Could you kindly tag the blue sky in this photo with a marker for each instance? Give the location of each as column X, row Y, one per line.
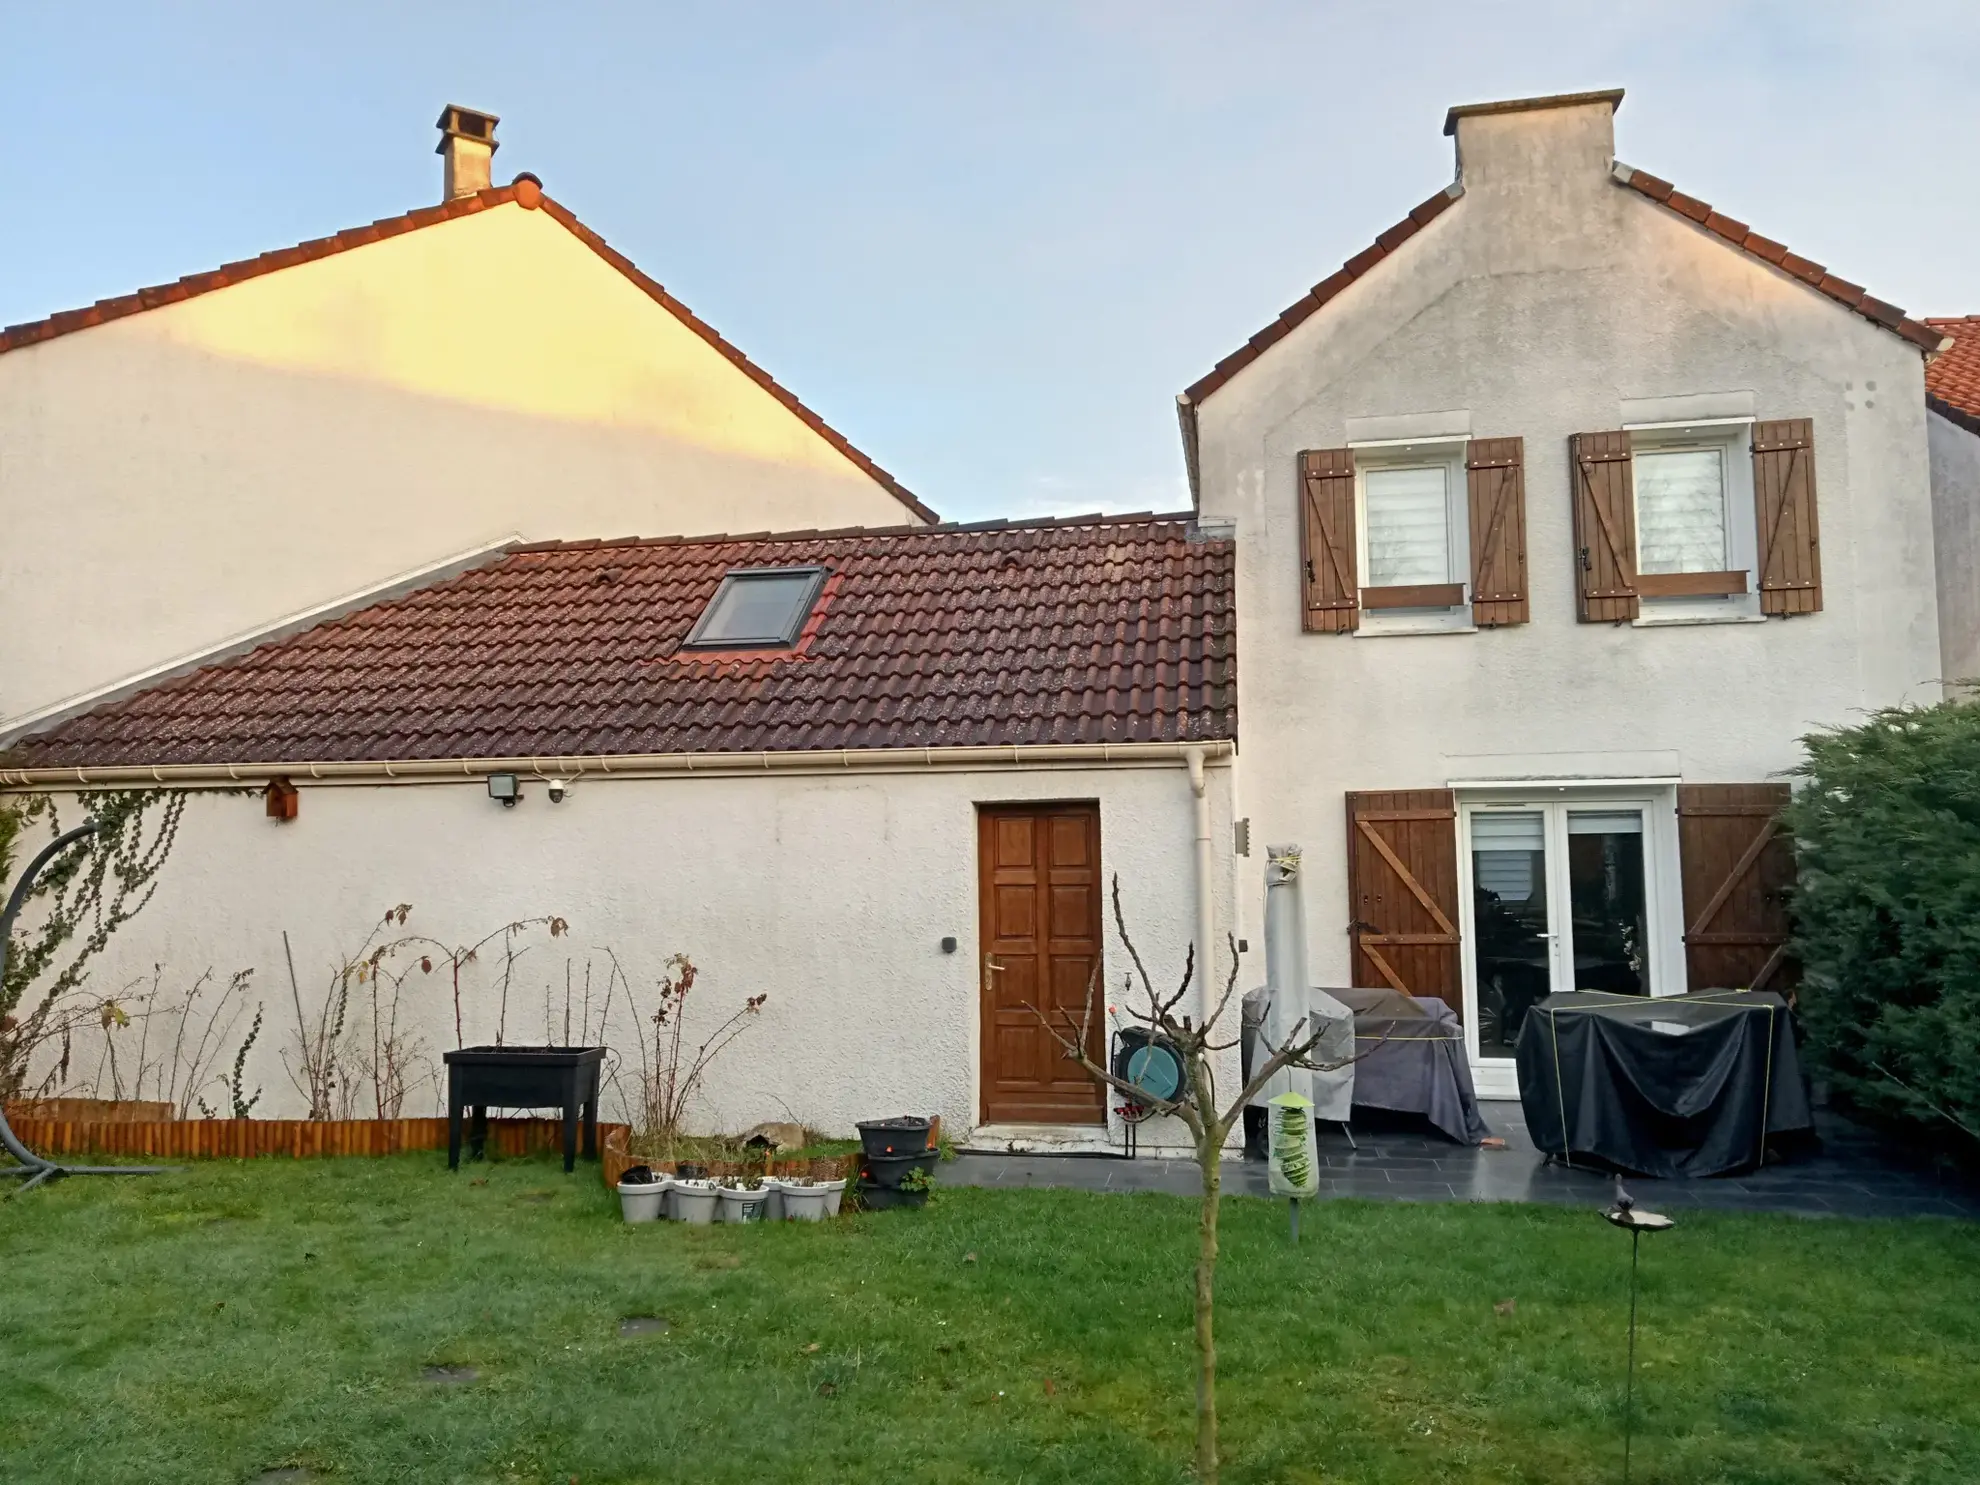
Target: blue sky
column 988, row 242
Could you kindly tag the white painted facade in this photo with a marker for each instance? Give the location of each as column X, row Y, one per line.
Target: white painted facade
column 1955, row 456
column 829, row 890
column 1549, row 300
column 188, row 478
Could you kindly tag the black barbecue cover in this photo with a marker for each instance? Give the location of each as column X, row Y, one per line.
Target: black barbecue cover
column 1685, row 1085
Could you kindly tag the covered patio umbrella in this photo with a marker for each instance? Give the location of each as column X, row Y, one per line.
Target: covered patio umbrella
column 1274, row 1013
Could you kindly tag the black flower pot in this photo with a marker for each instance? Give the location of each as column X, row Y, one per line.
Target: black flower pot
column 882, row 1198
column 886, row 1171
column 899, row 1136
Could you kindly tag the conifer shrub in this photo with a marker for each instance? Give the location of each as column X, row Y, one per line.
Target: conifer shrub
column 1887, row 913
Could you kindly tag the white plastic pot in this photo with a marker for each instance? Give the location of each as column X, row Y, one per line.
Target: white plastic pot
column 739, row 1205
column 644, row 1203
column 692, row 1201
column 812, row 1201
column 773, row 1204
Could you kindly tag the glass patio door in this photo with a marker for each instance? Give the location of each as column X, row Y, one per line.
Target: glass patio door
column 1559, row 901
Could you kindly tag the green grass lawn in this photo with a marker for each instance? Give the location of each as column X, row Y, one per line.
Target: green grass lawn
column 210, row 1324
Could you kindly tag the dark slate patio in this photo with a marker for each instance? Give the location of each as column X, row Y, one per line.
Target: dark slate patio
column 1854, row 1175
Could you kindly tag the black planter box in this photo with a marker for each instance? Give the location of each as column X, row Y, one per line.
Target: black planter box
column 564, row 1078
column 899, row 1136
column 886, row 1171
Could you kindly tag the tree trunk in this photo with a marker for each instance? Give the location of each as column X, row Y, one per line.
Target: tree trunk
column 1209, row 1153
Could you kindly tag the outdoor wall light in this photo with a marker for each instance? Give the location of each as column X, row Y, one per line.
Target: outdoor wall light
column 505, row 787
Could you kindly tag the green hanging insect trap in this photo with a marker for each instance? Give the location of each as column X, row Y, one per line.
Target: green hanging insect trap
column 1295, row 1159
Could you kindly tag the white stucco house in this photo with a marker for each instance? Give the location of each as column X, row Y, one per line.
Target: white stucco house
column 332, row 521
column 1552, row 520
column 1561, row 512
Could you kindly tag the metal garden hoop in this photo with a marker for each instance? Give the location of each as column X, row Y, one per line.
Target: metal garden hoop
column 33, row 1166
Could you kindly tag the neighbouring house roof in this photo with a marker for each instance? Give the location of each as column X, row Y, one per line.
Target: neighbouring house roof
column 525, row 191
column 1952, row 380
column 1097, row 629
column 1735, row 233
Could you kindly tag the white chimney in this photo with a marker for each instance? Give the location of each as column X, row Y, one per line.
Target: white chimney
column 467, row 150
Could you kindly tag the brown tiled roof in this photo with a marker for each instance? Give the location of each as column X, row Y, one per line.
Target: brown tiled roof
column 525, row 191
column 1094, row 630
column 1952, row 379
column 1776, row 255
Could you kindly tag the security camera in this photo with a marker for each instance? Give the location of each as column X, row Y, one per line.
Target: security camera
column 557, row 787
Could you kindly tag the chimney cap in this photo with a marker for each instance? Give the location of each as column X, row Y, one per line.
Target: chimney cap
column 456, row 122
column 1611, row 96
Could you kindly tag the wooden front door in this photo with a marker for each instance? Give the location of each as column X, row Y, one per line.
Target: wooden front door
column 1039, row 905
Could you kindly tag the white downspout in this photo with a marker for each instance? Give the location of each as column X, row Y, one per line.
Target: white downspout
column 1206, row 928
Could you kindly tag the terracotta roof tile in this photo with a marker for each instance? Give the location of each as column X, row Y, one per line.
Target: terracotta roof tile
column 1094, row 630
column 1952, row 380
column 525, row 191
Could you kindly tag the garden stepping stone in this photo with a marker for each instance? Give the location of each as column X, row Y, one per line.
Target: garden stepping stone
column 643, row 1325
column 449, row 1376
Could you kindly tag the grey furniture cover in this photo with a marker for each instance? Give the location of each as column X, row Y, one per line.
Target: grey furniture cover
column 1413, row 1060
column 1681, row 1085
column 1330, row 1087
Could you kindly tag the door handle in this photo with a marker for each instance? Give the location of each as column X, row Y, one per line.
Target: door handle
column 990, row 963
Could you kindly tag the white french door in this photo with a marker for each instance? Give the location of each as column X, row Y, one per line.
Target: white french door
column 1562, row 893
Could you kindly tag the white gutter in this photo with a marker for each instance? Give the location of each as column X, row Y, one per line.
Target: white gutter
column 639, row 765
column 1206, row 949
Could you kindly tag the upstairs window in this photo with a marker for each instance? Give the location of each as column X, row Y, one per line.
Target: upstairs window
column 758, row 608
column 1691, row 489
column 1415, row 550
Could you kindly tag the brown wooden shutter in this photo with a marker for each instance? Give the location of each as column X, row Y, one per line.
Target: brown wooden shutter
column 1403, row 892
column 1495, row 477
column 1327, row 542
column 1604, row 527
column 1784, row 507
column 1738, row 871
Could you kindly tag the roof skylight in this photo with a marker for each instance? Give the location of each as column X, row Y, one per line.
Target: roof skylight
column 757, row 608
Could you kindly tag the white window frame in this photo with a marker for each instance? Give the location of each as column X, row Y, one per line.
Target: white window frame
column 1732, row 440
column 1663, row 891
column 1417, row 453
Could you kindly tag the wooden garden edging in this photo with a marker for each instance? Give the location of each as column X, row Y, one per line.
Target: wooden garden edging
column 240, row 1139
column 94, row 1110
column 247, row 1139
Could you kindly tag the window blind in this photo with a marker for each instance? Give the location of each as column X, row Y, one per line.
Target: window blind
column 1409, row 519
column 1680, row 511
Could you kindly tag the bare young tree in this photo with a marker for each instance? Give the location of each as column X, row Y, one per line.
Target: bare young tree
column 1209, row 1125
